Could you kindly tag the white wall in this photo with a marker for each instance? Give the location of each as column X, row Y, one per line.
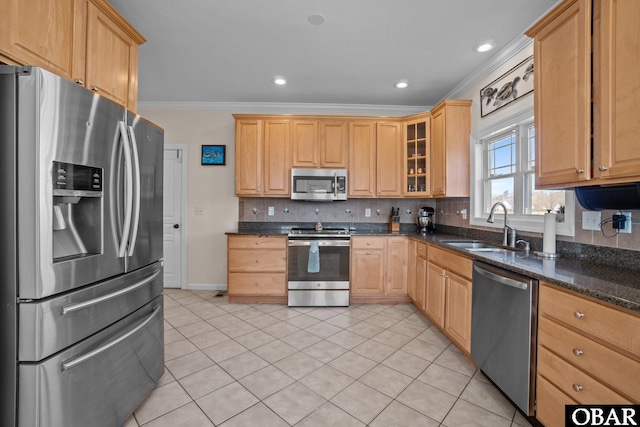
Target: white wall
column 210, row 187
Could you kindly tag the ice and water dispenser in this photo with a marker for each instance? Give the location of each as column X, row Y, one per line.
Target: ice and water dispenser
column 77, row 210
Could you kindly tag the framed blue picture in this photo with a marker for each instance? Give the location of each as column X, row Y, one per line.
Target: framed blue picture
column 214, row 155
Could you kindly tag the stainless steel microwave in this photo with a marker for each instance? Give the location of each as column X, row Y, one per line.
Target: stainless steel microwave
column 318, row 184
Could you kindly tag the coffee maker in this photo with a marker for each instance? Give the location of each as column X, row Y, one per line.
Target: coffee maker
column 425, row 220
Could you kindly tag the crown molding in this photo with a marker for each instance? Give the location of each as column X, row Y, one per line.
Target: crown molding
column 502, row 57
column 289, row 108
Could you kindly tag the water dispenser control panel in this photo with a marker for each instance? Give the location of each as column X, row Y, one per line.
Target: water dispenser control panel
column 76, row 180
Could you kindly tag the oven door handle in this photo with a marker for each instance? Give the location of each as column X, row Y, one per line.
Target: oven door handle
column 320, row 242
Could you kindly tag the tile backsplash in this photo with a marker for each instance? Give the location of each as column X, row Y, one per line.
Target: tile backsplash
column 448, row 213
column 285, row 210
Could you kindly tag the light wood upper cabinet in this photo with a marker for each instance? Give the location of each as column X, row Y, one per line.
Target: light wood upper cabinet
column 248, row 154
column 362, row 159
column 85, row 41
column 617, row 91
column 111, row 55
column 262, row 157
column 389, row 158
column 319, row 143
column 586, row 125
column 450, row 131
column 42, row 33
column 417, row 156
column 276, row 158
column 562, row 99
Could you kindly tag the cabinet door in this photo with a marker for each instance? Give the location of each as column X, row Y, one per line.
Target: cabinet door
column 619, row 61
column 458, row 310
column 362, row 159
column 421, row 281
column 42, row 33
column 434, row 304
column 276, row 158
column 304, row 143
column 111, row 58
column 411, row 270
column 389, row 157
column 367, row 272
column 248, row 157
column 438, row 153
column 417, row 154
column 396, row 272
column 333, row 144
column 562, row 97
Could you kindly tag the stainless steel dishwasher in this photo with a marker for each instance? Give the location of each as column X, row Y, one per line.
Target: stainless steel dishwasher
column 503, row 331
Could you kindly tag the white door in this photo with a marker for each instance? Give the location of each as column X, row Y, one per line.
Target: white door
column 173, row 227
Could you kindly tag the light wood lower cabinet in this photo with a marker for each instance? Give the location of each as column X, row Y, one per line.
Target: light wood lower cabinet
column 588, row 353
column 447, row 298
column 257, row 267
column 379, row 268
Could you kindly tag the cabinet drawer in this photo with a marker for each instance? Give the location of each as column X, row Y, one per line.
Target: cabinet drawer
column 568, row 378
column 422, row 250
column 367, row 242
column 550, row 403
column 257, row 284
column 608, row 366
column 452, row 262
column 616, row 327
column 244, row 260
column 254, row 242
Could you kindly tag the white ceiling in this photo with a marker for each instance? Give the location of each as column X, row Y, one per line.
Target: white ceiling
column 229, row 51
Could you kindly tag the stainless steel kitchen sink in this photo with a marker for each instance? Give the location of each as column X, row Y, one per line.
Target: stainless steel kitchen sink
column 475, row 246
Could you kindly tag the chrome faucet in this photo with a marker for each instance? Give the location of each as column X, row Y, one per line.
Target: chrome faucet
column 507, row 240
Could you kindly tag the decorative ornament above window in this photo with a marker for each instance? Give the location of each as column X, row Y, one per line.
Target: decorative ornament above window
column 512, row 85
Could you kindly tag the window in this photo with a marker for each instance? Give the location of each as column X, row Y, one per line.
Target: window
column 504, row 171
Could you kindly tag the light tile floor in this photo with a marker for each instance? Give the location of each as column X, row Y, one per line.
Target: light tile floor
column 270, row 365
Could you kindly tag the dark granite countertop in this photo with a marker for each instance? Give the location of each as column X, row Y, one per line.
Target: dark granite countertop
column 618, row 286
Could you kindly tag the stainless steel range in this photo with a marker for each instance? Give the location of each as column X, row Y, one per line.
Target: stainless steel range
column 318, row 267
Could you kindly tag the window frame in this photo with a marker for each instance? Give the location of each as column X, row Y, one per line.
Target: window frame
column 479, row 163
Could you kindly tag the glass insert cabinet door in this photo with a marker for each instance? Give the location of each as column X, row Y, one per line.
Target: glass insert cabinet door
column 417, row 154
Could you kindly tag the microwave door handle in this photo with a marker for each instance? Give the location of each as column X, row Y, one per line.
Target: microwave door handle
column 128, row 190
column 335, row 185
column 136, row 191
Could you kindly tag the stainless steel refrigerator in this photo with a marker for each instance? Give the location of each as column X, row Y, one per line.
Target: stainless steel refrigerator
column 80, row 254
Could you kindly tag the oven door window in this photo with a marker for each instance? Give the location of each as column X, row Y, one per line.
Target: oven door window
column 334, row 264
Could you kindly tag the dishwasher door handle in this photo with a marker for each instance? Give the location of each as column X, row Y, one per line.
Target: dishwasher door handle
column 501, row 279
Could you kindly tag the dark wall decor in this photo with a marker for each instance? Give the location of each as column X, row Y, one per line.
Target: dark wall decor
column 512, row 85
column 214, row 155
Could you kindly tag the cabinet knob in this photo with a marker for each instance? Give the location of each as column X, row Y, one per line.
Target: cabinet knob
column 257, row 261
column 257, row 243
column 368, row 243
column 577, row 387
column 603, row 168
column 80, row 82
column 577, row 352
column 578, row 315
column 579, row 170
column 95, row 88
column 368, row 253
column 257, row 284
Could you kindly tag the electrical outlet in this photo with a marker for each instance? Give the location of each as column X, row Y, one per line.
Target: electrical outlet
column 591, row 220
column 367, row 212
column 271, row 211
column 627, row 223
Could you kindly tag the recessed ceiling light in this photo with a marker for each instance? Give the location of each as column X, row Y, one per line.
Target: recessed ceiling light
column 485, row 47
column 402, row 85
column 280, row 81
column 316, row 19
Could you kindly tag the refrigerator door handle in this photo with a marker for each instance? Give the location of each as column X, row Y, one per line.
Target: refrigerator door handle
column 128, row 189
column 77, row 360
column 75, row 307
column 136, row 185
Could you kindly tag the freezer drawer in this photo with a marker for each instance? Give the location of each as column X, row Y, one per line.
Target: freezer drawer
column 98, row 382
column 51, row 325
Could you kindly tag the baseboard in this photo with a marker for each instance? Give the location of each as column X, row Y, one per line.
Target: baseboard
column 206, row 287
